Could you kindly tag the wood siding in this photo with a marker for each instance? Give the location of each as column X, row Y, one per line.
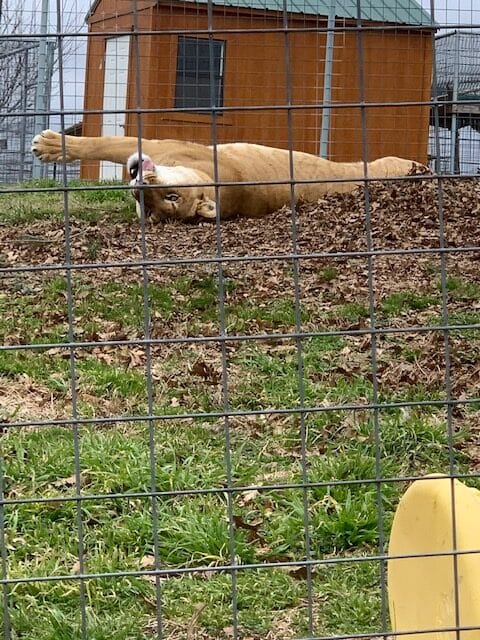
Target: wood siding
column 396, row 68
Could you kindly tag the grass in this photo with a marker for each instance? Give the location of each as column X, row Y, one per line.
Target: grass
column 193, row 530
column 192, row 523
column 459, row 288
column 42, row 200
column 397, row 303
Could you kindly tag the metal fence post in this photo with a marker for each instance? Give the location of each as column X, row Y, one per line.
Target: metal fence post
column 41, row 94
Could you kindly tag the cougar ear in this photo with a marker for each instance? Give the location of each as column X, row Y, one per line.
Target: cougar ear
column 133, row 165
column 205, row 208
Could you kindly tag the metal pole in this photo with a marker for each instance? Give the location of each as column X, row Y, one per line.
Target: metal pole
column 23, row 125
column 40, row 121
column 327, row 81
column 454, row 126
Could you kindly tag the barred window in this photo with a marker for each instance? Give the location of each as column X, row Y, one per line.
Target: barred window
column 195, row 59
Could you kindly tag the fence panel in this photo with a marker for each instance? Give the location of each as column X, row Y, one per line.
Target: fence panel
column 207, row 424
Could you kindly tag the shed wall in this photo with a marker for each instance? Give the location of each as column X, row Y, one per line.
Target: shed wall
column 397, row 68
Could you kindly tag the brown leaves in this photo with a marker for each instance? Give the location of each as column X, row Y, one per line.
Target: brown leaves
column 207, row 371
column 24, row 398
column 71, row 481
column 252, row 528
column 147, row 562
column 404, row 215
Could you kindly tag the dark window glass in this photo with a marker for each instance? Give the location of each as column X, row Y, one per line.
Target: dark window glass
column 194, row 74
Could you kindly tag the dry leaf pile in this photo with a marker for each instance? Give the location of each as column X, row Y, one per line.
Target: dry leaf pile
column 405, row 215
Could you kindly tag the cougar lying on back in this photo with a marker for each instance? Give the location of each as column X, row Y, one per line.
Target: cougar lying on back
column 184, row 173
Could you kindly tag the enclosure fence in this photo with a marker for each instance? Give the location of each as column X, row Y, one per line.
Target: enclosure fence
column 207, row 426
column 18, row 64
column 457, row 89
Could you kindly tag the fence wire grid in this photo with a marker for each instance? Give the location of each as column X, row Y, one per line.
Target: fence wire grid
column 206, row 428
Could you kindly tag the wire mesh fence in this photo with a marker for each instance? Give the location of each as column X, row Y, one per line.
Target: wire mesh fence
column 457, row 90
column 207, row 424
column 18, row 64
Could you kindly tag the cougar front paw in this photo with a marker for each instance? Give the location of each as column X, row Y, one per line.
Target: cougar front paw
column 47, row 146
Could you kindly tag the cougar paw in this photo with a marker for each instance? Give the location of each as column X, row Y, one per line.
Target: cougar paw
column 47, row 146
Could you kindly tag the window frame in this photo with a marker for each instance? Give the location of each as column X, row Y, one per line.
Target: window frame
column 197, row 78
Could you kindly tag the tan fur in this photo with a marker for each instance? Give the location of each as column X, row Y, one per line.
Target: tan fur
column 236, row 163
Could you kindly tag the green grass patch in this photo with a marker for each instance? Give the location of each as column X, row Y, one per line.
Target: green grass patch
column 355, row 588
column 54, row 372
column 32, row 316
column 397, row 303
column 268, row 315
column 193, row 530
column 89, row 201
column 40, row 315
column 459, row 289
column 464, row 317
column 123, row 304
column 459, row 318
column 328, row 274
column 273, row 371
column 51, row 370
column 351, row 311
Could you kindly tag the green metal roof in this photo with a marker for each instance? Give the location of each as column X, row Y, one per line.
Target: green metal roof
column 408, row 12
column 456, row 55
column 393, row 11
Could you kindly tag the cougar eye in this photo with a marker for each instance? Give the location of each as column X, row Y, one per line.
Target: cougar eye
column 172, row 197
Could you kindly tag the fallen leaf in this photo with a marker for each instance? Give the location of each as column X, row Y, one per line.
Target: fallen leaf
column 248, row 496
column 66, row 482
column 147, row 562
column 76, row 567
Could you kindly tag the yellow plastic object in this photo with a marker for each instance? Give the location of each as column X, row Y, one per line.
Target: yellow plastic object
column 422, row 590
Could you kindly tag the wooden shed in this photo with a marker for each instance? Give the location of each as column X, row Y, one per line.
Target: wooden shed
column 266, row 67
